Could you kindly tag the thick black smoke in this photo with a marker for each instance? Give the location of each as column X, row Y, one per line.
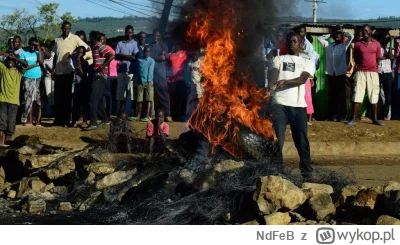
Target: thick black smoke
column 253, row 19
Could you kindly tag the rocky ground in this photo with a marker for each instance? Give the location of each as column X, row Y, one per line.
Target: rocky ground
column 66, row 176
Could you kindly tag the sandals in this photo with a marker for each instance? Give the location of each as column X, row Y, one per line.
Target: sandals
column 28, row 124
column 378, row 123
column 132, row 118
column 146, row 119
column 350, row 123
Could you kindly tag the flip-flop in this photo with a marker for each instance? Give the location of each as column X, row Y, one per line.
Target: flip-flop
column 351, row 123
column 132, row 118
column 378, row 123
column 28, row 124
column 146, row 119
column 38, row 125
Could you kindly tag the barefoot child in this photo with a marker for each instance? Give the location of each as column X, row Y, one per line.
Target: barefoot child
column 157, row 132
column 145, row 88
column 120, row 133
column 10, row 78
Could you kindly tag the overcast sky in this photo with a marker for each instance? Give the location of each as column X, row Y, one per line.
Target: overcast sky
column 332, row 9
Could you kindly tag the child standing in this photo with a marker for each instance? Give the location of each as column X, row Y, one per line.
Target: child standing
column 32, row 78
column 120, row 134
column 157, row 132
column 48, row 70
column 81, row 87
column 145, row 88
column 10, row 78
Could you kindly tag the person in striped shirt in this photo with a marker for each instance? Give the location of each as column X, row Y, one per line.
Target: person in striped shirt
column 102, row 56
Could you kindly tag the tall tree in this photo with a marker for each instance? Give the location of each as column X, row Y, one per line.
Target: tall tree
column 44, row 24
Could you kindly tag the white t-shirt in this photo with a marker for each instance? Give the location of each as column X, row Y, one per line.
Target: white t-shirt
column 291, row 67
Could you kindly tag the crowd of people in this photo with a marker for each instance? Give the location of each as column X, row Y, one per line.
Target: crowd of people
column 82, row 83
column 354, row 64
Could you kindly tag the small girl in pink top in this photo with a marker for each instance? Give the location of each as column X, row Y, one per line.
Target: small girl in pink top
column 308, row 98
column 157, row 132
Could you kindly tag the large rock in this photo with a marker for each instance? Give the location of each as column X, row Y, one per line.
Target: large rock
column 23, row 186
column 38, row 161
column 311, row 189
column 5, row 187
column 37, row 185
column 187, row 176
column 65, row 206
column 275, row 193
column 387, row 220
column 392, row 203
column 115, row 179
column 391, row 186
column 101, row 168
column 228, row 166
column 29, row 149
column 277, row 219
column 36, row 206
column 321, row 206
column 366, row 199
column 61, row 169
column 12, row 194
column 2, row 176
column 346, row 195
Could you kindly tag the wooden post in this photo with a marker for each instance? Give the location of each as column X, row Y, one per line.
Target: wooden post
column 165, row 16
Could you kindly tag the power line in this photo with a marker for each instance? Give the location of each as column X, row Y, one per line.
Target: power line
column 108, row 7
column 152, row 9
column 173, row 5
column 130, row 8
column 141, row 5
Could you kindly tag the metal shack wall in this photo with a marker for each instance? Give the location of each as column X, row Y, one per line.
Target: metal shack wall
column 321, row 99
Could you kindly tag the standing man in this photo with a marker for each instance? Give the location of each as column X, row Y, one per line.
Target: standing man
column 336, row 68
column 102, row 56
column 63, row 48
column 126, row 53
column 288, row 77
column 367, row 54
column 159, row 53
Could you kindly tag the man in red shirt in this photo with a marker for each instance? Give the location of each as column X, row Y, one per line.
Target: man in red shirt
column 367, row 54
column 176, row 84
column 102, row 56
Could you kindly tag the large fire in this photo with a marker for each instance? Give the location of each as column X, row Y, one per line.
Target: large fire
column 228, row 100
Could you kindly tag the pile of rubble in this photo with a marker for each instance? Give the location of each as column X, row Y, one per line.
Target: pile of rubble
column 45, row 180
column 280, row 202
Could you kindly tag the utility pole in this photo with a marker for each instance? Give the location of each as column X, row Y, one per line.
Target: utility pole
column 315, row 8
column 165, row 16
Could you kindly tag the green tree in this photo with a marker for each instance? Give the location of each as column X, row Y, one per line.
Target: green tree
column 44, row 25
column 50, row 22
column 18, row 23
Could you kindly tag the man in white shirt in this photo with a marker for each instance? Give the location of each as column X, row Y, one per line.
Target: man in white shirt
column 336, row 69
column 288, row 76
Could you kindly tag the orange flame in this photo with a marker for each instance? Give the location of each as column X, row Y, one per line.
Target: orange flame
column 226, row 100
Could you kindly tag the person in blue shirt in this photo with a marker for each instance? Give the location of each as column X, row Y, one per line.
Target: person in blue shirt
column 31, row 85
column 145, row 88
